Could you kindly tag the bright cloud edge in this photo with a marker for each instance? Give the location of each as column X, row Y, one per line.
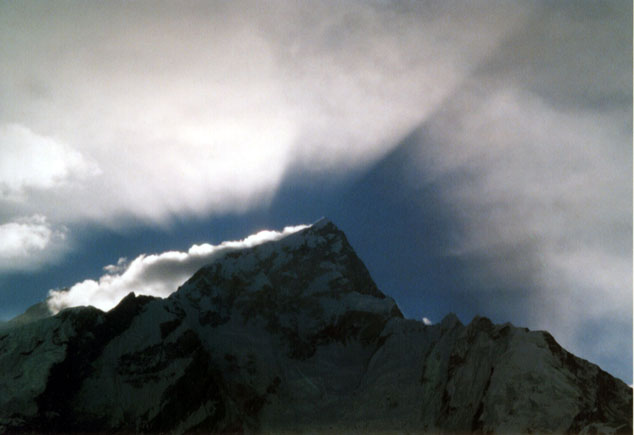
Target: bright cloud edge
column 124, row 277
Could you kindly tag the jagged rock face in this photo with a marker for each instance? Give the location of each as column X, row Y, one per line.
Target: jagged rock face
column 293, row 336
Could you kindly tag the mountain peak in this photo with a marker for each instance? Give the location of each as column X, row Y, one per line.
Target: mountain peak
column 450, row 321
column 314, row 269
column 323, row 222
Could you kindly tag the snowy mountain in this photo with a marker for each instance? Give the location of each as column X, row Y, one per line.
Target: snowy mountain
column 287, row 336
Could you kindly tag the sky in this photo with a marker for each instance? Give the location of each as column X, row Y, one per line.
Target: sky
column 478, row 155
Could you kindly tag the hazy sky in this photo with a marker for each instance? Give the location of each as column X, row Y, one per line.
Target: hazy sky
column 477, row 154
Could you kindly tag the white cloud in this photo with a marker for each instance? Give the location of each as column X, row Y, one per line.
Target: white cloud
column 28, row 242
column 203, row 109
column 153, row 275
column 122, row 264
column 29, row 160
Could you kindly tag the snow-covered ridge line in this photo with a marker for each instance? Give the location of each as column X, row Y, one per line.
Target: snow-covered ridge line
column 154, row 274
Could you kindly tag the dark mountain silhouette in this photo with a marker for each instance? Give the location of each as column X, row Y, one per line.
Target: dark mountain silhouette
column 291, row 336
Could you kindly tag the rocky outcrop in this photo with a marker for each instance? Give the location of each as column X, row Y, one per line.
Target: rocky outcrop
column 288, row 336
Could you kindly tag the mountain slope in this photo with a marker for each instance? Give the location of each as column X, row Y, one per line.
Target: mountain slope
column 293, row 335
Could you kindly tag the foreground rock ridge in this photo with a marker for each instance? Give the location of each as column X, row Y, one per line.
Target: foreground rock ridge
column 293, row 336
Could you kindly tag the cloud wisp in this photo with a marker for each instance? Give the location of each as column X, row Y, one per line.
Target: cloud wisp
column 153, row 275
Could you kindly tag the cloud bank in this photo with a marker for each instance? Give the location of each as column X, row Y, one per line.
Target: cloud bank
column 533, row 156
column 542, row 196
column 153, row 275
column 203, row 109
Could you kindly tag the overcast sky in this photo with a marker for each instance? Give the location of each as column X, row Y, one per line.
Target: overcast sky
column 477, row 154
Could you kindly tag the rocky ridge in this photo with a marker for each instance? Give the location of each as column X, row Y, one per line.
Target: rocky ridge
column 293, row 336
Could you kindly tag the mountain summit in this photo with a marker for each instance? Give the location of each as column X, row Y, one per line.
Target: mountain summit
column 293, row 335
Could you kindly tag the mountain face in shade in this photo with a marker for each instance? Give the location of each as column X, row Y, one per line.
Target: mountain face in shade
column 292, row 336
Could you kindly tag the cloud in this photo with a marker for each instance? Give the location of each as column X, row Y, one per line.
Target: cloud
column 29, row 160
column 29, row 242
column 122, row 264
column 203, row 109
column 532, row 155
column 154, row 275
